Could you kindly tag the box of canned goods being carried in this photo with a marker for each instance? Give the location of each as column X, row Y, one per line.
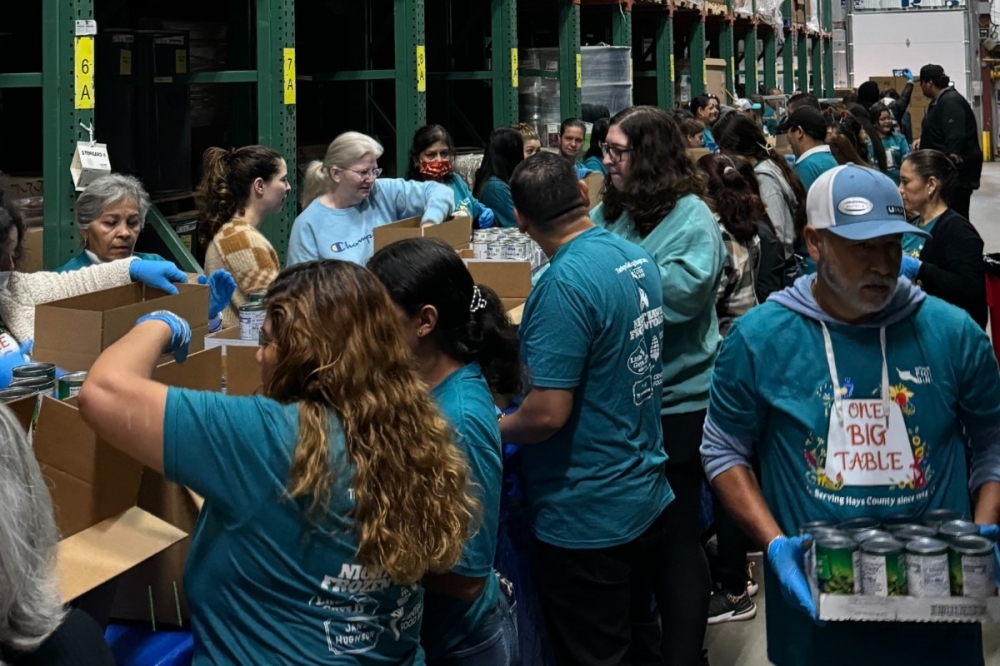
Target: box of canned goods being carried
column 931, row 568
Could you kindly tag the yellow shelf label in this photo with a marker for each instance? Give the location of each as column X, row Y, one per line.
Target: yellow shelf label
column 288, row 77
column 125, row 62
column 672, row 78
column 579, row 71
column 514, row 81
column 421, row 69
column 180, row 61
column 704, row 75
column 83, row 73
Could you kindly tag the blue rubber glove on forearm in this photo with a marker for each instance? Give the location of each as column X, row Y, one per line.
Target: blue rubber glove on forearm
column 157, row 274
column 991, row 532
column 908, row 74
column 486, row 219
column 785, row 556
column 221, row 287
column 180, row 332
column 909, row 268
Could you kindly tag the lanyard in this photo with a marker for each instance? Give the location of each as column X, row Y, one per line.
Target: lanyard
column 831, row 362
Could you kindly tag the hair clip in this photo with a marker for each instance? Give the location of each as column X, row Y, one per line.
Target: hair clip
column 478, row 302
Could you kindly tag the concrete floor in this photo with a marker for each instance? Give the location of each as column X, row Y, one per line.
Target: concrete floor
column 743, row 643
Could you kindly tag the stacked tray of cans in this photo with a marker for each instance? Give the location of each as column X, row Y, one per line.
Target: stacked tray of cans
column 40, row 379
column 935, row 567
column 507, row 244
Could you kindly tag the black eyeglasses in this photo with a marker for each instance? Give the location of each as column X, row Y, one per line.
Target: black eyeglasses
column 263, row 339
column 613, row 152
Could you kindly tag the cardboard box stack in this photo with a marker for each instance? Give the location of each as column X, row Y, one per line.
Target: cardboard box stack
column 918, row 103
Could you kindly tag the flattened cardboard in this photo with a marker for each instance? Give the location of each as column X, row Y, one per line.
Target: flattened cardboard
column 455, row 231
column 511, row 280
column 73, row 332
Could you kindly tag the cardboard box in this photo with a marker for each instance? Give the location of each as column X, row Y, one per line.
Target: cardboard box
column 73, row 332
column 595, row 185
column 455, row 231
column 33, row 259
column 511, row 280
column 835, row 607
column 697, row 153
column 239, row 361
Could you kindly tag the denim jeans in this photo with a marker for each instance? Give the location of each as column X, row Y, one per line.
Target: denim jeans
column 494, row 644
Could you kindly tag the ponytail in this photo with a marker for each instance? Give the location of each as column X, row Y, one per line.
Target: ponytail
column 226, row 182
column 316, row 183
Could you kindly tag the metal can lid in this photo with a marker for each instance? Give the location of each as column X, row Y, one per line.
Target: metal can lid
column 74, row 377
column 34, row 370
column 864, row 535
column 937, row 516
column 972, row 545
column 856, row 524
column 38, row 383
column 957, row 528
column 14, row 393
column 890, row 522
column 836, row 542
column 914, row 532
column 823, row 532
column 256, row 296
column 252, row 307
column 882, row 546
column 926, row 546
column 815, row 524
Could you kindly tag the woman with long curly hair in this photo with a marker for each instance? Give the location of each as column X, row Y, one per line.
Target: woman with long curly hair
column 653, row 197
column 238, row 188
column 465, row 347
column 327, row 499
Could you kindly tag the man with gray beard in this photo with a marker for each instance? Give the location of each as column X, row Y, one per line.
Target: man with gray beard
column 859, row 393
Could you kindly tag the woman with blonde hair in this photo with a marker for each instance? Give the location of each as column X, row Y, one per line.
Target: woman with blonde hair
column 344, row 200
column 238, row 189
column 532, row 144
column 327, row 498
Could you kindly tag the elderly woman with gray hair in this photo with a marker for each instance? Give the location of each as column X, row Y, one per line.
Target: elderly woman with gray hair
column 34, row 626
column 110, row 214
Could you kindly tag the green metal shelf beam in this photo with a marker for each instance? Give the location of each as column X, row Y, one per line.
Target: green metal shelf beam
column 545, row 74
column 361, row 75
column 21, row 80
column 787, row 51
column 646, row 74
column 181, row 255
column 664, row 55
column 411, row 76
column 770, row 58
column 570, row 67
column 505, row 75
column 750, row 60
column 817, row 64
column 247, row 76
column 696, row 58
column 460, row 76
column 826, row 7
column 802, row 70
column 621, row 25
column 727, row 51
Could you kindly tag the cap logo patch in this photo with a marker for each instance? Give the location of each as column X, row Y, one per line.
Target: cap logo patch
column 855, row 206
column 895, row 210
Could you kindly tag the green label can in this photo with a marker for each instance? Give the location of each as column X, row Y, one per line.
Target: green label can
column 42, row 385
column 27, row 370
column 937, row 516
column 814, row 526
column 970, row 564
column 859, row 525
column 69, row 385
column 836, row 565
column 865, row 535
column 907, row 532
column 256, row 296
column 927, row 568
column 883, row 568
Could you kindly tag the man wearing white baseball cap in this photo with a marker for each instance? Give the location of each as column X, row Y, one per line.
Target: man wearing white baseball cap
column 860, row 394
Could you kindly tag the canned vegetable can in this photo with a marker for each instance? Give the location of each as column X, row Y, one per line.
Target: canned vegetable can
column 813, row 526
column 907, row 532
column 892, row 523
column 883, row 568
column 865, row 535
column 937, row 516
column 69, row 385
column 927, row 568
column 957, row 528
column 42, row 385
column 27, row 370
column 251, row 320
column 970, row 564
column 256, row 296
column 15, row 393
column 859, row 525
column 835, row 570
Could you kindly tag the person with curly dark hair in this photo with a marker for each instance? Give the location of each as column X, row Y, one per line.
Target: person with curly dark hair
column 653, row 197
column 238, row 189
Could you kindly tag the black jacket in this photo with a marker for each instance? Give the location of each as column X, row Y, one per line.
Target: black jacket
column 950, row 126
column 952, row 265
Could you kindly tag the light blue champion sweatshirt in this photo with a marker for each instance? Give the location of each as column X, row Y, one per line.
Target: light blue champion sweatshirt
column 321, row 232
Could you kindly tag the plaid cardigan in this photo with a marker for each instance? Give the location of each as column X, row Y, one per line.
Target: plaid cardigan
column 243, row 251
column 737, row 290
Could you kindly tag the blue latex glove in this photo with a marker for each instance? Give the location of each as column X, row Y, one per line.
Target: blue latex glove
column 909, row 268
column 221, row 287
column 785, row 556
column 8, row 362
column 992, row 532
column 156, row 274
column 908, row 74
column 486, row 219
column 180, row 332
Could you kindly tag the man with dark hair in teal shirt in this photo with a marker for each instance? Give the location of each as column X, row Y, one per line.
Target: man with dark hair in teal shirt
column 806, row 130
column 593, row 460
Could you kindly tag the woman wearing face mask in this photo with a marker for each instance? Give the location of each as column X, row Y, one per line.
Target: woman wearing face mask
column 504, row 152
column 21, row 292
column 109, row 216
column 706, row 111
column 949, row 264
column 344, row 200
column 532, row 144
column 654, row 199
column 238, row 189
column 464, row 347
column 431, row 157
column 895, row 144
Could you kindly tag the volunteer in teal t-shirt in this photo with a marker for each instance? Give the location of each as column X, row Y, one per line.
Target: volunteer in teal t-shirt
column 593, row 159
column 895, row 144
column 806, row 131
column 588, row 426
column 293, row 559
column 345, row 200
column 459, row 336
column 842, row 386
column 503, row 153
column 431, row 159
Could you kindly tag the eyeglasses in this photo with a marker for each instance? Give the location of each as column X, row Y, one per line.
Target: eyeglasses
column 263, row 339
column 614, row 153
column 367, row 174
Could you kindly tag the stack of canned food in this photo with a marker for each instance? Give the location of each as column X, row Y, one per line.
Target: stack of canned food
column 507, row 244
column 252, row 315
column 40, row 379
column 936, row 555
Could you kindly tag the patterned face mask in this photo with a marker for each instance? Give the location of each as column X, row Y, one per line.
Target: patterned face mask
column 436, row 169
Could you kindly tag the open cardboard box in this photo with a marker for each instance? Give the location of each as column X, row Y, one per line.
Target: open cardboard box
column 456, row 231
column 94, row 489
column 73, row 332
column 154, row 591
column 511, row 280
column 856, row 607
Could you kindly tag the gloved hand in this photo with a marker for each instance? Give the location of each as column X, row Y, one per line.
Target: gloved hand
column 221, row 287
column 9, row 361
column 486, row 219
column 908, row 74
column 786, row 558
column 992, row 532
column 909, row 267
column 180, row 332
column 156, row 274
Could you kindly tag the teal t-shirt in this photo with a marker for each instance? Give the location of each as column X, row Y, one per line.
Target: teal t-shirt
column 690, row 254
column 896, row 150
column 594, row 324
column 496, row 196
column 464, row 201
column 812, row 165
column 772, row 385
column 467, row 404
column 595, row 164
column 913, row 244
column 82, row 261
column 265, row 585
